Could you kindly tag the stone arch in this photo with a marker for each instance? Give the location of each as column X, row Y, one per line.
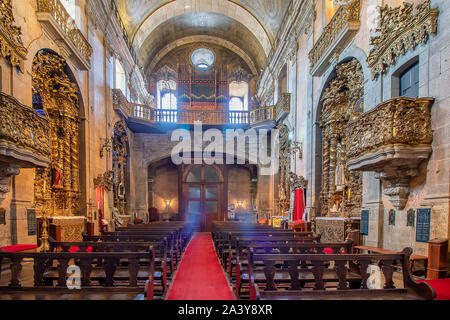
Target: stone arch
column 179, row 7
column 206, row 39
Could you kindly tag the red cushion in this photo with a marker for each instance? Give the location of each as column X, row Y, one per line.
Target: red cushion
column 76, row 249
column 19, row 247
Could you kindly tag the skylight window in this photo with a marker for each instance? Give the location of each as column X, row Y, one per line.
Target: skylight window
column 203, row 58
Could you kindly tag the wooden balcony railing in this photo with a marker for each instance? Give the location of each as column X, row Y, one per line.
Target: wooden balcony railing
column 61, row 17
column 342, row 27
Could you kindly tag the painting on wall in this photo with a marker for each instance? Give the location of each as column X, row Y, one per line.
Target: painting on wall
column 411, row 218
column 31, row 222
column 392, row 217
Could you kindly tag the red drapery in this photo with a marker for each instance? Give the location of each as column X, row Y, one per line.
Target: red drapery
column 299, row 205
column 100, row 208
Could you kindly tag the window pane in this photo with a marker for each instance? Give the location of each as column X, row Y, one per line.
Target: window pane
column 194, row 207
column 195, row 175
column 211, row 175
column 194, row 193
column 236, row 104
column 211, row 193
column 211, row 206
column 169, row 101
column 409, row 82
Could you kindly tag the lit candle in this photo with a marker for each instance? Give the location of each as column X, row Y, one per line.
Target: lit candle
column 314, row 201
column 349, row 194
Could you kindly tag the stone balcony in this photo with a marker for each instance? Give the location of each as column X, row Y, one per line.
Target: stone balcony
column 60, row 27
column 24, row 140
column 142, row 118
column 335, row 37
column 392, row 140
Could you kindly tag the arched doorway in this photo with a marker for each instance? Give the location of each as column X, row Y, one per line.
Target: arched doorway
column 203, row 190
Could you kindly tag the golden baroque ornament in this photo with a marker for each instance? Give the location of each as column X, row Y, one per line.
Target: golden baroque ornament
column 11, row 46
column 402, row 29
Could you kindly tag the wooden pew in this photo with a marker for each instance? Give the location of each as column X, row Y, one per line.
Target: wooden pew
column 229, row 258
column 97, row 281
column 414, row 257
column 347, row 269
column 292, row 247
column 162, row 276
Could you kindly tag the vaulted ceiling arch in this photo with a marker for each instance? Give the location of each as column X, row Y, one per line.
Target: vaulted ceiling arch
column 179, row 7
column 204, row 39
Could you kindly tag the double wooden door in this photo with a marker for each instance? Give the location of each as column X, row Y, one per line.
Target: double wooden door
column 203, row 204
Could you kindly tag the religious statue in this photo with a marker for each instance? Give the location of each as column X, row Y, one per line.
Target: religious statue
column 339, row 179
column 121, row 191
column 336, row 210
column 118, row 222
column 57, row 177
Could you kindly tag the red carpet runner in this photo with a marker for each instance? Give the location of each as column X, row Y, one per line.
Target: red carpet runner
column 442, row 288
column 200, row 276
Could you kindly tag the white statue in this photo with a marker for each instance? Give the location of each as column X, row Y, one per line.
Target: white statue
column 339, row 178
column 116, row 217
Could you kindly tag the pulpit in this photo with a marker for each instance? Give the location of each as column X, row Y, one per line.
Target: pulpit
column 335, row 229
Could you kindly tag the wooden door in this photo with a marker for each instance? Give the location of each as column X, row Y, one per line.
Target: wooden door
column 202, row 205
column 203, row 190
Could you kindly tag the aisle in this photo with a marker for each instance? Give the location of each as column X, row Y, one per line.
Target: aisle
column 200, row 276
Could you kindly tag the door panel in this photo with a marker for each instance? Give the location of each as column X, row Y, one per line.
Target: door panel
column 203, row 202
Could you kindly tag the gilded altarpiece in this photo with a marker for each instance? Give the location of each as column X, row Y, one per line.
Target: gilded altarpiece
column 341, row 194
column 284, row 171
column 120, row 166
column 57, row 188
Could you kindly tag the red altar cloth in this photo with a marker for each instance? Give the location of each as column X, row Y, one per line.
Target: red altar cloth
column 299, row 205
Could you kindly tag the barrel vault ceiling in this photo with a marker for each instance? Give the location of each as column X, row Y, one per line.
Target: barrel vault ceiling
column 247, row 27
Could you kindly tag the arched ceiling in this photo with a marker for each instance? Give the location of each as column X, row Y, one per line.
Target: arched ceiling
column 192, row 25
column 249, row 26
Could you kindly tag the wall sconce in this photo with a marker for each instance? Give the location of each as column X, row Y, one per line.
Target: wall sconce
column 107, row 146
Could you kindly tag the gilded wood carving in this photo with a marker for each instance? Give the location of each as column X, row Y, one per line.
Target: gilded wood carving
column 402, row 29
column 11, row 46
column 120, row 166
column 342, row 101
column 60, row 183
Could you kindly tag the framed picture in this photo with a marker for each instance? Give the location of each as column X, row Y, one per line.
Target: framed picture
column 31, row 222
column 2, row 216
column 392, row 217
column 411, row 218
